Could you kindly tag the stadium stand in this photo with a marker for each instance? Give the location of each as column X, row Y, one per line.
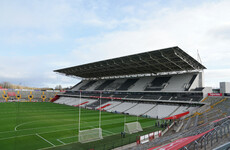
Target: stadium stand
column 87, row 85
column 105, row 84
column 114, row 85
column 140, row 84
column 156, row 84
column 133, row 92
column 128, row 83
column 139, row 109
column 122, row 107
column 112, row 104
column 23, row 95
column 97, row 104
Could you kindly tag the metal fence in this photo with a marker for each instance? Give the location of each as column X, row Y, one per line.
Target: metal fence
column 221, row 128
column 210, row 139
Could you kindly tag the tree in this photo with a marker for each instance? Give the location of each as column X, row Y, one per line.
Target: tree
column 6, row 85
column 58, row 87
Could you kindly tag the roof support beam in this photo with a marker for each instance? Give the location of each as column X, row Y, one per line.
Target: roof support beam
column 153, row 62
column 151, row 65
column 160, row 62
column 172, row 61
column 190, row 64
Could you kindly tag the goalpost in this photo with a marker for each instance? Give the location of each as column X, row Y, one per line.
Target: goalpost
column 132, row 127
column 89, row 135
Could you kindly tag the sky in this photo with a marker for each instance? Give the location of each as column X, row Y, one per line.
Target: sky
column 39, row 36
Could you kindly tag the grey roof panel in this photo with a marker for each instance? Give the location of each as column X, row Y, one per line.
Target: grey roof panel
column 157, row 61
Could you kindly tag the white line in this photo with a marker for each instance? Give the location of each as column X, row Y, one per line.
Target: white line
column 45, row 140
column 60, row 141
column 15, row 129
column 53, row 126
column 41, row 127
column 34, row 133
column 69, row 137
column 52, row 131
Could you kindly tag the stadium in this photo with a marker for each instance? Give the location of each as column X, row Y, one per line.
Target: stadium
column 151, row 100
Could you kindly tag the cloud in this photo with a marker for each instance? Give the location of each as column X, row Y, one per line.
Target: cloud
column 34, row 71
column 200, row 28
column 74, row 33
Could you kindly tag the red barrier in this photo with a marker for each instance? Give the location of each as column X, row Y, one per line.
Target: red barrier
column 55, row 98
column 177, row 116
column 80, row 104
column 180, row 142
column 215, row 94
column 104, row 106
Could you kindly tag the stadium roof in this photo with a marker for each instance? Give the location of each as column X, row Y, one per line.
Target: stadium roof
column 158, row 61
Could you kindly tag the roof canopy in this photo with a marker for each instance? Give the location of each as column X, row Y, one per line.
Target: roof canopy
column 164, row 60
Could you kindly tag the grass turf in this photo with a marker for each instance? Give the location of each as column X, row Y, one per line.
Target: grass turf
column 54, row 126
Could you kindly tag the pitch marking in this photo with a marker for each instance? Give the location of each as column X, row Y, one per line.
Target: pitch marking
column 60, row 141
column 45, row 140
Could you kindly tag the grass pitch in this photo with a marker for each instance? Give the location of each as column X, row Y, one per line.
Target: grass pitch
column 53, row 126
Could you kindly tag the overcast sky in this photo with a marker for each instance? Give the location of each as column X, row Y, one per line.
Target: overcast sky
column 39, row 36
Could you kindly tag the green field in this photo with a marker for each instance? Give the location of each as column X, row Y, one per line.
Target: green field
column 28, row 126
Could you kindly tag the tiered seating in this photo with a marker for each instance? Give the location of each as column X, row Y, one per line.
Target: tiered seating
column 224, row 106
column 122, row 107
column 37, row 95
column 87, row 85
column 191, row 81
column 62, row 100
column 140, row 84
column 140, row 109
column 104, row 85
column 78, row 85
column 113, row 104
column 127, row 84
column 96, row 84
column 157, row 84
column 114, row 85
column 1, row 93
column 213, row 99
column 75, row 86
column 161, row 111
column 103, row 107
column 178, row 82
column 180, row 110
column 97, row 103
column 74, row 101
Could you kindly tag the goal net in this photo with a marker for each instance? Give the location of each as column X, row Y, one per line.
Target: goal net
column 85, row 136
column 132, row 127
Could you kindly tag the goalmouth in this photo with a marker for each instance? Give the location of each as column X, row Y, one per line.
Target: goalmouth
column 90, row 135
column 132, row 127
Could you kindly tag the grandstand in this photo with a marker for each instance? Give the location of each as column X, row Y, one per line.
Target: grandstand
column 151, row 98
column 167, row 79
column 23, row 95
column 156, row 84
